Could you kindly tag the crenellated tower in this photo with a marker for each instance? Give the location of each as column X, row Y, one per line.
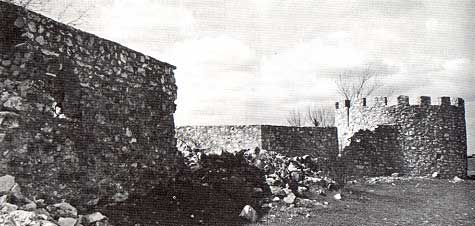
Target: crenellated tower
column 431, row 137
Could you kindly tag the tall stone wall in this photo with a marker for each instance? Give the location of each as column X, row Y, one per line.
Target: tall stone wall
column 431, row 138
column 291, row 141
column 82, row 117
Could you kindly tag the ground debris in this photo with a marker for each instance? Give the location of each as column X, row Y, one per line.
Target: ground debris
column 16, row 209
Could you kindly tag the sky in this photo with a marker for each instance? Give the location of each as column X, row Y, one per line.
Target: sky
column 251, row 62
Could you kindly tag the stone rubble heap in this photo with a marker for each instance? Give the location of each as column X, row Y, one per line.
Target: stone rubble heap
column 289, row 177
column 16, row 209
column 268, row 178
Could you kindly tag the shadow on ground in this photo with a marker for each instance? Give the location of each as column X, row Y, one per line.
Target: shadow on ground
column 214, row 194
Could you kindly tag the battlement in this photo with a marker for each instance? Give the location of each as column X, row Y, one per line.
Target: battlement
column 400, row 101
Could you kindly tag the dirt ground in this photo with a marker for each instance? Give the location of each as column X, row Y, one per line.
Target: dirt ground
column 413, row 202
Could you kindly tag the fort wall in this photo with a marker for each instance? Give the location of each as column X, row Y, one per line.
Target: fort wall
column 291, row 141
column 80, row 116
column 431, row 137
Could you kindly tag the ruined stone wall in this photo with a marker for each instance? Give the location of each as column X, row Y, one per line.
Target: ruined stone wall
column 431, row 138
column 83, row 118
column 361, row 115
column 374, row 153
column 291, row 141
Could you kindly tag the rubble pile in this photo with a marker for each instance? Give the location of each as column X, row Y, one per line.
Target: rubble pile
column 300, row 176
column 282, row 175
column 16, row 209
column 257, row 178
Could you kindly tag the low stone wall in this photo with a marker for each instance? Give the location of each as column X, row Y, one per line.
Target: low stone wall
column 220, row 138
column 81, row 118
column 291, row 141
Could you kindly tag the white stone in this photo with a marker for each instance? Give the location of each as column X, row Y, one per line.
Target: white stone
column 457, row 179
column 120, row 196
column 337, row 196
column 67, row 221
column 249, row 213
column 66, row 210
column 6, row 183
column 94, row 217
column 290, row 198
column 21, row 217
column 292, row 167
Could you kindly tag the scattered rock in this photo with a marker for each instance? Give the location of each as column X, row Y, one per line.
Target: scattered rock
column 94, row 217
column 8, row 207
column 6, row 184
column 120, row 196
column 457, row 179
column 63, row 209
column 249, row 213
column 287, row 190
column 435, row 174
column 29, row 206
column 301, row 189
column 275, row 199
column 20, row 217
column 14, row 103
column 395, row 175
column 276, row 190
column 337, row 196
column 290, row 198
column 292, row 167
column 92, row 202
column 67, row 221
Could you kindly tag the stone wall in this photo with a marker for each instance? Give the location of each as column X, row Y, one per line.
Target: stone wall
column 374, row 153
column 431, row 138
column 84, row 118
column 291, row 141
column 220, row 138
column 298, row 141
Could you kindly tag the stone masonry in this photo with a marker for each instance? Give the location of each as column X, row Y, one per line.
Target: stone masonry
column 84, row 119
column 291, row 141
column 411, row 139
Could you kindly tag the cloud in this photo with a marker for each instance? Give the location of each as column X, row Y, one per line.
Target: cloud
column 214, row 76
column 148, row 26
column 221, row 51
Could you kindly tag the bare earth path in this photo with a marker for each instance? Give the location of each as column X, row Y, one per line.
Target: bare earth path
column 413, row 202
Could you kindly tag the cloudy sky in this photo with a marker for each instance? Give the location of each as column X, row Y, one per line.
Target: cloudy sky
column 252, row 61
